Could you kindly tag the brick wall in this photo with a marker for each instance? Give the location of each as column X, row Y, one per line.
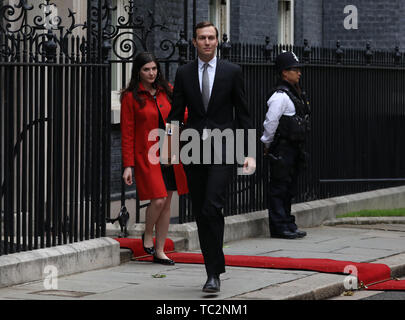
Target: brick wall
column 308, row 22
column 379, row 21
column 253, row 20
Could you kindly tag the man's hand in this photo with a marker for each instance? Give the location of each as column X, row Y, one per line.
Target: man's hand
column 168, row 154
column 127, row 176
column 266, row 151
column 249, row 166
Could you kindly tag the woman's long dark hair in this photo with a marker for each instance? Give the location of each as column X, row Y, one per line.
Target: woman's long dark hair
column 140, row 60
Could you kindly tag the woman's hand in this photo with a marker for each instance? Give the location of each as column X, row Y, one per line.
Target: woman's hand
column 127, row 175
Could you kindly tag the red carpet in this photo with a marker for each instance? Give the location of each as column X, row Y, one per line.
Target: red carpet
column 136, row 246
column 371, row 276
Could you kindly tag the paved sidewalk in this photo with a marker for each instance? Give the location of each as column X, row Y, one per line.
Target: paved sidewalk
column 135, row 280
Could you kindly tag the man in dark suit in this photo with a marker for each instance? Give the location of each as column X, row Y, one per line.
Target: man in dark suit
column 213, row 92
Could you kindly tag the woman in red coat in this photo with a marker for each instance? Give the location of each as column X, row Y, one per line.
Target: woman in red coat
column 145, row 105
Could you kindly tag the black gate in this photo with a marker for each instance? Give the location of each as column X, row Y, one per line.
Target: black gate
column 54, row 128
column 131, row 31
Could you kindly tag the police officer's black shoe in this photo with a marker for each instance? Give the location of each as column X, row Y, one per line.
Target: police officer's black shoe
column 284, row 235
column 300, row 234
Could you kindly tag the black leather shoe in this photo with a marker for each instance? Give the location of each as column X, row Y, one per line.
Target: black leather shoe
column 300, row 234
column 285, row 235
column 167, row 262
column 212, row 285
column 147, row 250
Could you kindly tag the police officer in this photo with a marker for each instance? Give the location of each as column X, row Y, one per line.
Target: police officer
column 285, row 129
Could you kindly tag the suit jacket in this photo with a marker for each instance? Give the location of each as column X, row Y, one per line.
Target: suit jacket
column 227, row 107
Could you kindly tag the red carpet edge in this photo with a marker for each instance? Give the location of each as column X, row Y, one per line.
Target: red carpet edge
column 370, row 276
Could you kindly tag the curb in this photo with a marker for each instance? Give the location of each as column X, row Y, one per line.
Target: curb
column 28, row 266
column 319, row 286
column 365, row 221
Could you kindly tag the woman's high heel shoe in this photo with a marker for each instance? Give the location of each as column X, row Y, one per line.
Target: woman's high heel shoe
column 167, row 262
column 151, row 250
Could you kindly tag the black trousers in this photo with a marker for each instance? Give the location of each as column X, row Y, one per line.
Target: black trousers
column 207, row 185
column 283, row 187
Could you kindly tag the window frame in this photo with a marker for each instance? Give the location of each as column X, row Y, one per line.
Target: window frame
column 216, row 11
column 117, row 68
column 285, row 37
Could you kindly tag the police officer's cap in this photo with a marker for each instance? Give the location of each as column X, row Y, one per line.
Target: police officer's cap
column 287, row 60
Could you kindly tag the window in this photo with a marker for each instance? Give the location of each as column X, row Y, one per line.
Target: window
column 120, row 70
column 219, row 15
column 286, row 22
column 50, row 13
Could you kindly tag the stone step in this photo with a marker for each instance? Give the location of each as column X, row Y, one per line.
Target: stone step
column 126, row 254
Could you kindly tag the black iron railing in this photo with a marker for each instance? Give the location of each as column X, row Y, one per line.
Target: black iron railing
column 55, row 113
column 358, row 108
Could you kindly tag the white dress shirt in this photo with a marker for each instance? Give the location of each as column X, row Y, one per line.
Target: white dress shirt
column 212, row 66
column 279, row 104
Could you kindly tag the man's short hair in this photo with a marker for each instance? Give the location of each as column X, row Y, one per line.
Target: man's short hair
column 204, row 24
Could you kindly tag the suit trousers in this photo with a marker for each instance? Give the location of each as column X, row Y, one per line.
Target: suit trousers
column 207, row 185
column 283, row 187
